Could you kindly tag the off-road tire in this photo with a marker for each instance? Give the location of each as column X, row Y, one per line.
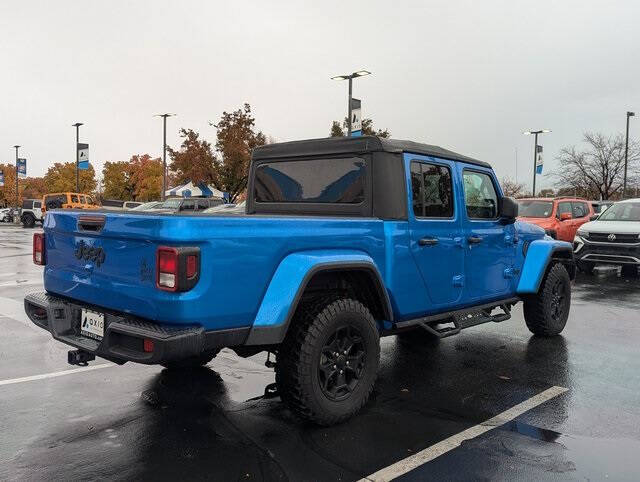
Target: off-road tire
column 629, row 270
column 586, row 266
column 28, row 220
column 192, row 361
column 547, row 311
column 298, row 361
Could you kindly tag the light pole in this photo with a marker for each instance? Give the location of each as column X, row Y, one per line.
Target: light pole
column 164, row 152
column 626, row 154
column 77, row 126
column 350, row 77
column 535, row 153
column 17, row 190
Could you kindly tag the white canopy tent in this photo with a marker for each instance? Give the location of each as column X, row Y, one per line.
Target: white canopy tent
column 191, row 190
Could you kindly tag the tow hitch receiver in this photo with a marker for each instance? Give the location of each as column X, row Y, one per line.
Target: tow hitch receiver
column 79, row 357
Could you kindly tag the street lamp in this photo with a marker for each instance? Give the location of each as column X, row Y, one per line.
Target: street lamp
column 535, row 152
column 164, row 151
column 17, row 190
column 350, row 77
column 626, row 153
column 77, row 126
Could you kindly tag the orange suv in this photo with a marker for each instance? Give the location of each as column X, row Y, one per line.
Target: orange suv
column 559, row 217
column 68, row 200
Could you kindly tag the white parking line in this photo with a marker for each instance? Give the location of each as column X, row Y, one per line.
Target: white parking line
column 448, row 444
column 54, row 374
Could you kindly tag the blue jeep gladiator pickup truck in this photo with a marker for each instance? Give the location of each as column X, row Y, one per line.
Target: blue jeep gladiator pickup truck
column 344, row 240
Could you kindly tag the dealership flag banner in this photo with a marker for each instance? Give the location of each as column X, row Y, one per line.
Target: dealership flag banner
column 83, row 156
column 22, row 168
column 356, row 118
column 1, row 179
column 539, row 160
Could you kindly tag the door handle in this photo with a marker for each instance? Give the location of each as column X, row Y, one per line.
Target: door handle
column 474, row 239
column 428, row 241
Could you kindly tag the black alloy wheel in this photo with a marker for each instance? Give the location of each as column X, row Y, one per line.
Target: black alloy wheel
column 342, row 361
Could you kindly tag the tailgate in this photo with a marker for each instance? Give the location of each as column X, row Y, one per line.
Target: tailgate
column 108, row 260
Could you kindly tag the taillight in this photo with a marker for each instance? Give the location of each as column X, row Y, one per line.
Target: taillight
column 38, row 249
column 177, row 269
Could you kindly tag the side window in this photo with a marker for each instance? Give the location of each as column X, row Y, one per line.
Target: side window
column 564, row 207
column 432, row 190
column 480, row 195
column 580, row 210
column 74, row 198
column 37, row 204
column 83, row 200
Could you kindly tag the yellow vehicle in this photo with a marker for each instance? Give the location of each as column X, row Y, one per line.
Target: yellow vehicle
column 68, row 200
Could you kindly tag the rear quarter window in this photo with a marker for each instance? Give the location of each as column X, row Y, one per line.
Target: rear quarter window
column 325, row 181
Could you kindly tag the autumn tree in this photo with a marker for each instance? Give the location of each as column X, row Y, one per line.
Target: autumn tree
column 61, row 177
column 194, row 161
column 146, row 177
column 511, row 188
column 116, row 181
column 8, row 191
column 34, row 188
column 598, row 170
column 236, row 138
column 367, row 129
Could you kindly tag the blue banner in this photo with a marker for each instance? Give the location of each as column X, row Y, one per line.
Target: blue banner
column 83, row 156
column 1, row 178
column 21, row 165
column 539, row 161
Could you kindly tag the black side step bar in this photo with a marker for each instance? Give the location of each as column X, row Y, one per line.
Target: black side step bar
column 462, row 319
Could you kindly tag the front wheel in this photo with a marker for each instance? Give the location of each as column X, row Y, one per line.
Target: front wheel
column 328, row 363
column 547, row 311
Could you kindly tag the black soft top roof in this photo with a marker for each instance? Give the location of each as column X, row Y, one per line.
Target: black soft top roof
column 362, row 144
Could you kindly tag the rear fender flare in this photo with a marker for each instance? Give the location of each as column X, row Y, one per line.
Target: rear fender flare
column 540, row 254
column 289, row 282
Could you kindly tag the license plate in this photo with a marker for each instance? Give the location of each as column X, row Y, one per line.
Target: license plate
column 92, row 324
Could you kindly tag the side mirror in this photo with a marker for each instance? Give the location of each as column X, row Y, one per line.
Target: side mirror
column 594, row 217
column 565, row 216
column 508, row 210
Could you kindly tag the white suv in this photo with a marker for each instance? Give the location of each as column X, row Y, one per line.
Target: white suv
column 613, row 238
column 31, row 212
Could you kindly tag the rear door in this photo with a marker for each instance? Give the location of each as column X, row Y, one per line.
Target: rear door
column 489, row 245
column 436, row 236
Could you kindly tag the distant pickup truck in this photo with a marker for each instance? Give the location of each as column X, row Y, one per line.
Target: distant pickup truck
column 344, row 240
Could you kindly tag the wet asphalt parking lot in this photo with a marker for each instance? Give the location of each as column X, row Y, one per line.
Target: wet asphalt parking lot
column 491, row 403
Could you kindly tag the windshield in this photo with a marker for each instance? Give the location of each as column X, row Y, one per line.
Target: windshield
column 171, row 204
column 622, row 212
column 145, row 206
column 535, row 209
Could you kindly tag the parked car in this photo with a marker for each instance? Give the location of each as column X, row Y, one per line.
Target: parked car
column 117, row 205
column 68, row 200
column 559, row 217
column 230, row 208
column 344, row 240
column 31, row 212
column 147, row 206
column 613, row 238
column 189, row 204
column 600, row 206
column 6, row 215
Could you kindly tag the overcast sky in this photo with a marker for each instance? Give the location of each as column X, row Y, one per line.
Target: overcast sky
column 466, row 75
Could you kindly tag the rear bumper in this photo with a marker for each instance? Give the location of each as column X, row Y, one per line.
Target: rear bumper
column 124, row 334
column 607, row 253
